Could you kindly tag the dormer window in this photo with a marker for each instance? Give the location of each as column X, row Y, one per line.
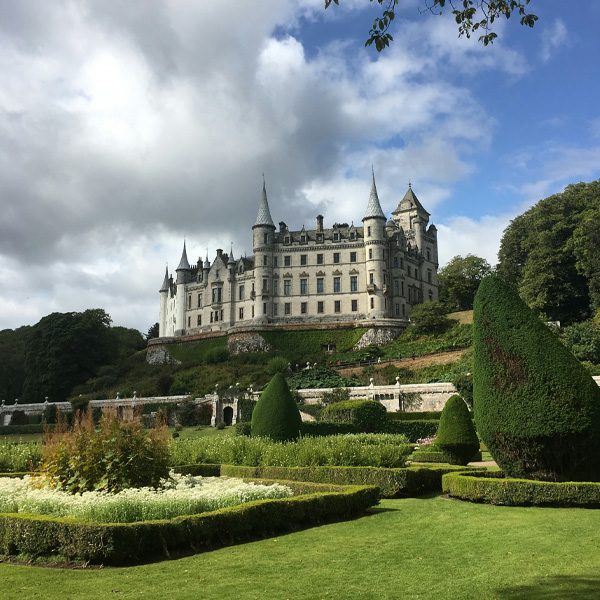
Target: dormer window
column 286, row 239
column 336, row 236
column 353, row 235
column 303, row 238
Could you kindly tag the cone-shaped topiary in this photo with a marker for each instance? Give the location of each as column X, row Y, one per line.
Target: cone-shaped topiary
column 456, row 434
column 536, row 407
column 276, row 415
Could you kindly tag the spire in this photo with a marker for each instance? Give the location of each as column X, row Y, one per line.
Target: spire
column 410, row 201
column 165, row 284
column 184, row 265
column 373, row 207
column 206, row 264
column 264, row 214
column 231, row 260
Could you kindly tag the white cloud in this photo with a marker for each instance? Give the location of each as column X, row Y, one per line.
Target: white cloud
column 552, row 39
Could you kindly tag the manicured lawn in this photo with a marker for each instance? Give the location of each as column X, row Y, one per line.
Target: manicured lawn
column 414, row 548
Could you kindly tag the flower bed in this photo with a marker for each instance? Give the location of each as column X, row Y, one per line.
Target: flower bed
column 16, row 456
column 378, row 450
column 179, row 495
column 130, row 543
column 494, row 488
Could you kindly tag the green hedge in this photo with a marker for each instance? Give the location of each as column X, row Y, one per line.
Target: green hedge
column 493, row 488
column 25, row 429
column 426, row 415
column 368, row 416
column 414, row 430
column 438, row 456
column 393, row 483
column 131, row 543
column 199, row 470
column 321, row 428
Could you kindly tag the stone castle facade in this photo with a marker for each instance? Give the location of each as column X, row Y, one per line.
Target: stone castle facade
column 371, row 275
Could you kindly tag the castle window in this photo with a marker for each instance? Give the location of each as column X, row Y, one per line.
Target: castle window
column 320, row 286
column 396, row 262
column 287, row 261
column 211, row 316
column 265, row 260
column 336, row 258
column 189, row 302
column 274, row 261
column 253, row 311
column 216, row 315
column 216, row 295
column 370, row 253
column 372, row 302
column 241, row 314
column 199, row 300
column 275, row 287
column 354, row 283
column 221, row 314
column 371, row 278
column 266, row 238
column 428, row 254
column 303, row 308
column 402, row 263
column 286, row 239
column 189, row 322
column 303, row 259
column 337, row 306
column 404, row 310
column 287, row 287
column 319, row 237
column 265, row 286
column 304, row 286
column 275, row 309
column 352, row 256
column 336, row 236
column 396, row 287
column 397, row 309
column 354, row 304
column 402, row 288
column 353, row 235
column 368, row 232
column 430, row 295
column 303, row 238
column 337, row 285
column 264, row 308
column 429, row 275
column 320, row 307
column 241, row 292
column 319, row 259
column 199, row 320
column 287, row 308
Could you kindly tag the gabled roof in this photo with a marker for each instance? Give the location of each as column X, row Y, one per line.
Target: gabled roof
column 184, row 265
column 264, row 214
column 373, row 207
column 410, row 201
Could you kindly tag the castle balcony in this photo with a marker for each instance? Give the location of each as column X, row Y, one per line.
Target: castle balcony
column 371, row 288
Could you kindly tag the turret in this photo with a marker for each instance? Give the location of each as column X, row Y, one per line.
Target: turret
column 409, row 211
column 263, row 232
column 183, row 269
column 183, row 272
column 164, row 296
column 374, row 235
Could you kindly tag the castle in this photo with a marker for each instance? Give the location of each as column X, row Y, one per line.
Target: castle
column 370, row 275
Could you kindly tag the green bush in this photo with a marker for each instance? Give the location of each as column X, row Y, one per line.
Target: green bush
column 434, row 454
column 321, row 428
column 493, row 488
column 243, row 428
column 456, row 435
column 335, row 395
column 415, row 416
column 130, row 543
column 392, row 483
column 429, row 317
column 278, row 364
column 19, row 418
column 276, row 415
column 366, row 416
column 246, row 408
column 320, row 377
column 17, row 457
column 118, row 456
column 414, row 430
column 25, row 429
column 463, row 382
column 536, row 407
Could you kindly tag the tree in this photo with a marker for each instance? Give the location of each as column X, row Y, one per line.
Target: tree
column 459, row 281
column 429, row 317
column 551, row 253
column 456, row 434
column 152, row 332
column 470, row 16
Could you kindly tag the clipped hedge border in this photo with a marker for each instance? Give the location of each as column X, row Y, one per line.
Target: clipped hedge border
column 438, row 456
column 25, row 429
column 134, row 543
column 494, row 488
column 393, row 483
column 414, row 430
column 424, row 415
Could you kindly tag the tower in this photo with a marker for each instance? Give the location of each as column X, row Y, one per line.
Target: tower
column 412, row 217
column 183, row 272
column 164, row 296
column 263, row 232
column 374, row 236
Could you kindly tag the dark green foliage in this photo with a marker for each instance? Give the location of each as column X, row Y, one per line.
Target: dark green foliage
column 243, row 428
column 19, row 418
column 246, row 407
column 415, row 416
column 414, row 430
column 434, row 454
column 494, row 488
column 79, row 404
column 320, row 377
column 278, row 364
column 536, row 407
column 276, row 415
column 583, row 340
column 456, row 435
column 50, row 415
column 164, row 383
column 335, row 395
column 429, row 318
column 459, row 279
column 463, row 382
column 152, row 332
column 324, row 428
column 216, row 355
column 392, row 483
column 551, row 253
column 188, row 413
column 367, row 416
column 314, row 410
column 12, row 362
column 24, row 429
column 130, row 543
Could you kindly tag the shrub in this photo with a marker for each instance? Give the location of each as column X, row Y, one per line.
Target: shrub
column 427, row 415
column 19, row 418
column 278, row 364
column 434, row 454
column 493, row 488
column 276, row 415
column 463, row 383
column 335, row 395
column 243, row 428
column 429, row 317
column 414, row 430
column 118, row 456
column 164, row 383
column 536, row 407
column 321, row 428
column 79, row 404
column 216, row 355
column 320, row 377
column 17, row 457
column 50, row 414
column 456, row 435
column 366, row 416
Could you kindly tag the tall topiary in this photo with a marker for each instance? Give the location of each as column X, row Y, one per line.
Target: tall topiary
column 456, row 434
column 536, row 408
column 276, row 415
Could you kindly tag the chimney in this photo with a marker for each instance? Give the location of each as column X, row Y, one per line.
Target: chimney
column 319, row 222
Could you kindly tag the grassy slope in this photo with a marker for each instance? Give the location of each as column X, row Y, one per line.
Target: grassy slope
column 414, row 548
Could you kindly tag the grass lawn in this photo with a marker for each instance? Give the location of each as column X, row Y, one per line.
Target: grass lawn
column 22, row 437
column 414, row 548
column 196, row 432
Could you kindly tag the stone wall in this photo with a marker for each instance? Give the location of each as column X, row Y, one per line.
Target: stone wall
column 238, row 343
column 377, row 336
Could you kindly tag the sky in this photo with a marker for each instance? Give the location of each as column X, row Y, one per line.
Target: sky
column 127, row 127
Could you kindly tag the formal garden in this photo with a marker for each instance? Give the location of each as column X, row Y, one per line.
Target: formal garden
column 487, row 503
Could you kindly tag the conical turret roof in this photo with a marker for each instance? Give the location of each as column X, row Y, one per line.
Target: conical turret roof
column 264, row 214
column 165, row 284
column 184, row 265
column 231, row 260
column 373, row 207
